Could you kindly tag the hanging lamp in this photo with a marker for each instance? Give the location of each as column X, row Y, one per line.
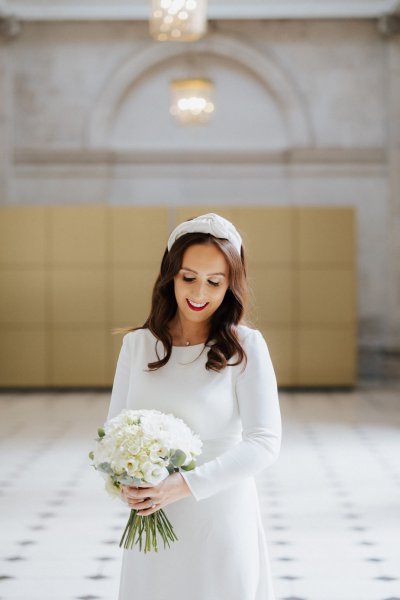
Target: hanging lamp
column 192, row 100
column 178, row 20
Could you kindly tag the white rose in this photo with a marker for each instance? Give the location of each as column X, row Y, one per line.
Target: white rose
column 154, row 473
column 111, row 488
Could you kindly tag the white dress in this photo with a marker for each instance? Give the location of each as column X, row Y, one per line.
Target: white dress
column 221, row 552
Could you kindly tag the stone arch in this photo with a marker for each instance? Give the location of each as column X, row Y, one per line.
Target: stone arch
column 272, row 77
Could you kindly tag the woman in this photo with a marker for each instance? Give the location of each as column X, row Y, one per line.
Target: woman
column 182, row 361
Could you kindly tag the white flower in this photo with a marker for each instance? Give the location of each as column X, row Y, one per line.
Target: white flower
column 112, row 489
column 154, row 473
column 139, row 443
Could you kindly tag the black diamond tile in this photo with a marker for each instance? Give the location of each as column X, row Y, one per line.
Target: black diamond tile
column 392, row 598
column 37, row 527
column 2, row 577
column 87, row 597
column 26, row 542
column 285, row 558
column 98, row 576
column 15, row 558
column 358, row 528
column 109, row 542
column 373, row 559
column 281, row 543
column 279, row 527
column 351, row 516
column 365, row 543
column 289, row 577
column 56, row 503
column 105, row 558
column 385, row 578
column 293, row 598
column 46, row 515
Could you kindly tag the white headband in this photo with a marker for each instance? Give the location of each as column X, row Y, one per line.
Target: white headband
column 209, row 223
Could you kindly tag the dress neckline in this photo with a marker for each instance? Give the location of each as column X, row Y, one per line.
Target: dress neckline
column 189, row 346
column 177, row 347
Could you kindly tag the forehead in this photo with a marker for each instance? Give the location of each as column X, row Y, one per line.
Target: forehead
column 205, row 259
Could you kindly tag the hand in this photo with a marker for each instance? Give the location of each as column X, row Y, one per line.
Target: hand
column 171, row 489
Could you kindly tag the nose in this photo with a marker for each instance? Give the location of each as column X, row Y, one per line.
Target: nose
column 200, row 292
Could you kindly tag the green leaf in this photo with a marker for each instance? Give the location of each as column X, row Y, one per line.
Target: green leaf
column 105, row 467
column 91, row 455
column 190, row 466
column 100, row 432
column 178, row 458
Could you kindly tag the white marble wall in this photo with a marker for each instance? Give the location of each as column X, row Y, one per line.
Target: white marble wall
column 307, row 113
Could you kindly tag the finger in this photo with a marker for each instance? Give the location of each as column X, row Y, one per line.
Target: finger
column 143, row 484
column 145, row 512
column 147, row 503
column 135, row 503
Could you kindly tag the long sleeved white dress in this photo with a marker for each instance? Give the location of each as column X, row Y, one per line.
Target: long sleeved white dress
column 221, row 552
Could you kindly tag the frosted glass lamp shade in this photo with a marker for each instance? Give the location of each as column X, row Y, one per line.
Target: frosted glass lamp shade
column 192, row 100
column 178, row 20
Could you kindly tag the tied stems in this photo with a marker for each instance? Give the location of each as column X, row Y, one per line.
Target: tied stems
column 150, row 524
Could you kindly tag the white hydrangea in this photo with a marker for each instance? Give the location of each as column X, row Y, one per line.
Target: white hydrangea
column 138, row 446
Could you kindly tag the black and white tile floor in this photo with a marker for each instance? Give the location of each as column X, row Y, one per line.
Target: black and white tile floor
column 330, row 504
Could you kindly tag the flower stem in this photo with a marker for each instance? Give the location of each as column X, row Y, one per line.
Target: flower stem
column 150, row 524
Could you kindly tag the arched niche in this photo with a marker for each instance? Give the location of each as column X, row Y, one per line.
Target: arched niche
column 257, row 105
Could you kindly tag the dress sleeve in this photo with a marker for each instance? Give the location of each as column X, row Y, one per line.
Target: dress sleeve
column 120, row 386
column 258, row 402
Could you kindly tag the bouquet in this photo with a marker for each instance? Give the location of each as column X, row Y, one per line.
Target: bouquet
column 144, row 446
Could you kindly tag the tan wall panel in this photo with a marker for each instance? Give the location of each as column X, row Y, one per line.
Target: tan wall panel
column 267, row 234
column 23, row 358
column 326, row 296
column 271, row 294
column 80, row 357
column 78, row 234
column 326, row 357
column 280, row 342
column 131, row 291
column 102, row 265
column 23, row 296
column 326, row 235
column 182, row 213
column 138, row 234
column 78, row 295
column 114, row 341
column 23, row 235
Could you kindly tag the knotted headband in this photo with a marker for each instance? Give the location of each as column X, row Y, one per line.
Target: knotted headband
column 208, row 223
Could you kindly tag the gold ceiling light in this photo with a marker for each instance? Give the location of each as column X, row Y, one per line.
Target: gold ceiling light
column 178, row 20
column 192, row 100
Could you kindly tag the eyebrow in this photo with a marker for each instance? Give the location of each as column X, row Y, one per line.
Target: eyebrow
column 187, row 269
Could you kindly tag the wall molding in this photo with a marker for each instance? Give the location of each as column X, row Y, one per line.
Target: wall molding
column 105, row 10
column 306, row 156
column 279, row 87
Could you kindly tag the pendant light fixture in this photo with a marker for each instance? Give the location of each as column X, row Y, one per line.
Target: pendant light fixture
column 192, row 100
column 178, row 20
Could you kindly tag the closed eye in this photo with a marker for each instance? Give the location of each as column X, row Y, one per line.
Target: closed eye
column 189, row 279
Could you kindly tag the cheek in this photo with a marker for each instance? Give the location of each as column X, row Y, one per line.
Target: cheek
column 219, row 295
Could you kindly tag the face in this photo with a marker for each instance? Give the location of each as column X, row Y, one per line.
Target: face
column 203, row 278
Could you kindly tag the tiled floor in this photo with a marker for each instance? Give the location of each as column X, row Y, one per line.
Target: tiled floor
column 330, row 504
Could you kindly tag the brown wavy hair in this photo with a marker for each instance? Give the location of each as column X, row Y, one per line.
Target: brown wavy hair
column 224, row 321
